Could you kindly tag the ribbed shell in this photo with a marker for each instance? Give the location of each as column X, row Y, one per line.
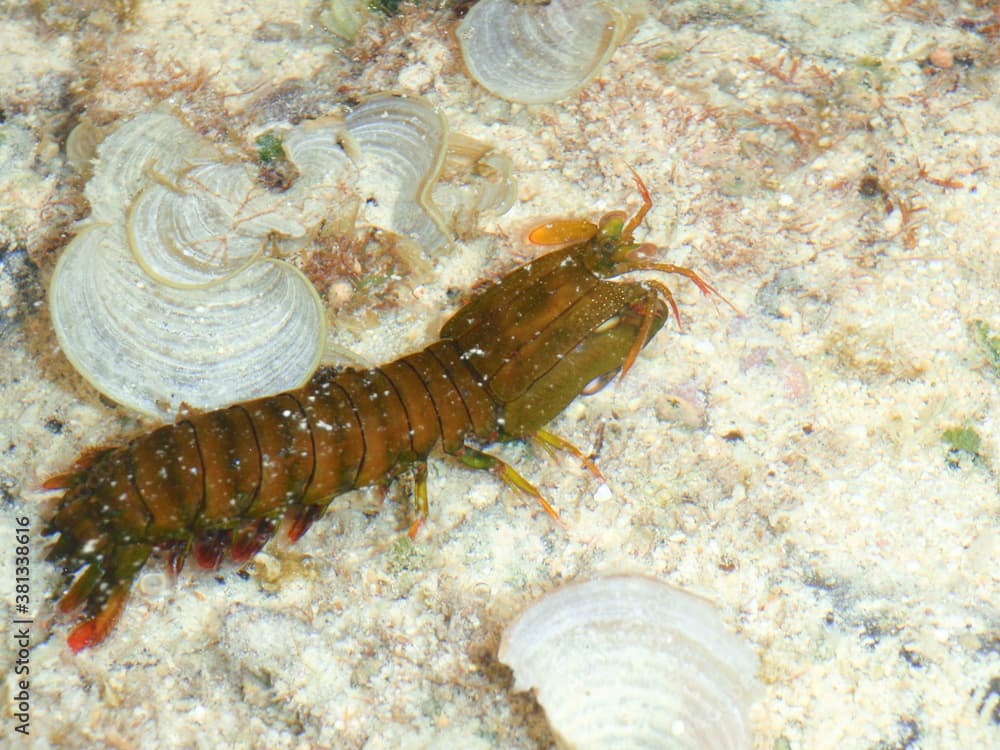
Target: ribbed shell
column 542, row 52
column 628, row 662
column 401, row 142
column 213, row 223
column 152, row 146
column 168, row 296
column 164, row 298
column 153, row 347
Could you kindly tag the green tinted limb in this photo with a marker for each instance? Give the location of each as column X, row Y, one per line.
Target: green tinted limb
column 420, row 504
column 476, row 459
column 552, row 442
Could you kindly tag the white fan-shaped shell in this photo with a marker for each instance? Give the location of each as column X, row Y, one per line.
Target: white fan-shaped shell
column 628, row 662
column 344, row 17
column 401, row 142
column 214, row 222
column 537, row 53
column 153, row 347
column 488, row 173
column 153, row 146
column 499, row 193
column 327, row 181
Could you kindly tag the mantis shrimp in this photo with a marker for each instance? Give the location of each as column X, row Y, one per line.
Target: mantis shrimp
column 506, row 363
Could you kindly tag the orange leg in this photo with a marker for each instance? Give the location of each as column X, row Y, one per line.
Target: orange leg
column 94, row 629
column 647, row 203
column 707, row 289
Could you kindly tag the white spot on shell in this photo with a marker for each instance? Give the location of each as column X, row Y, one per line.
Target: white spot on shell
column 88, row 547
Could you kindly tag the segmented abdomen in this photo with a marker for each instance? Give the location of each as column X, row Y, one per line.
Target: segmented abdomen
column 223, row 479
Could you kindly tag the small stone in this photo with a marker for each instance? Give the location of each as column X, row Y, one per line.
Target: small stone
column 941, row 58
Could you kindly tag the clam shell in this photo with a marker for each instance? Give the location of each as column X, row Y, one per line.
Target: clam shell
column 630, row 662
column 344, row 17
column 216, row 218
column 81, row 146
column 499, row 188
column 328, row 178
column 488, row 172
column 542, row 52
column 154, row 347
column 165, row 298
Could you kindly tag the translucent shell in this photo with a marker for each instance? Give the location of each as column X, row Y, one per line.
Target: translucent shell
column 630, row 662
column 212, row 223
column 542, row 52
column 165, row 298
column 327, row 177
column 199, row 225
column 344, row 17
column 153, row 347
column 155, row 145
column 401, row 143
column 486, row 171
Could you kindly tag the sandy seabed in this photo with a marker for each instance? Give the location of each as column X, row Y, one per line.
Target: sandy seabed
column 834, row 170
